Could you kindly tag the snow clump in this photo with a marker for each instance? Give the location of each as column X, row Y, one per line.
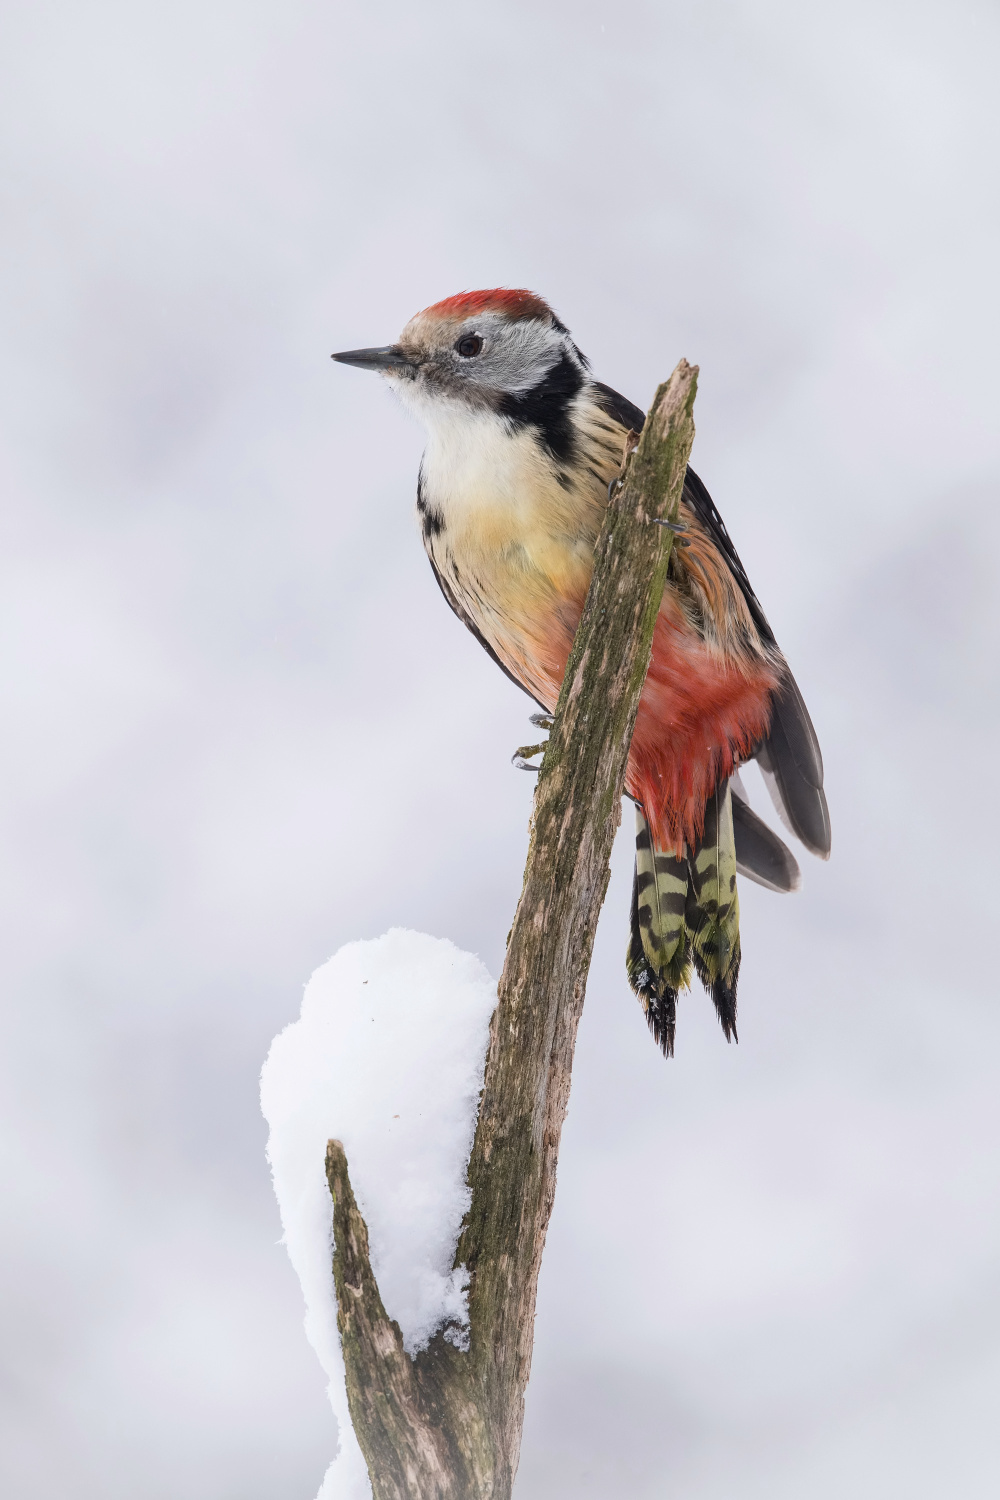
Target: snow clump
column 387, row 1056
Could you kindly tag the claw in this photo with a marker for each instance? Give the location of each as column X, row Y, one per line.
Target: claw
column 676, row 527
column 522, row 755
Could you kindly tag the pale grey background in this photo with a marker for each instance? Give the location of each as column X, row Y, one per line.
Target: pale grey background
column 242, row 728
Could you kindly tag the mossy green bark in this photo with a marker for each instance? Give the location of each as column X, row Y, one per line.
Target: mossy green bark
column 448, row 1424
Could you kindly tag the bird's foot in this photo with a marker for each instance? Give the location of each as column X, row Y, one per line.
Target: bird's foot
column 678, row 529
column 524, row 754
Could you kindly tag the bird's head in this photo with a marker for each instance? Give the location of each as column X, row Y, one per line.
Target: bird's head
column 499, row 350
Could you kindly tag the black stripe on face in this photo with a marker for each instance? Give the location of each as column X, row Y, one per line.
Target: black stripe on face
column 547, row 407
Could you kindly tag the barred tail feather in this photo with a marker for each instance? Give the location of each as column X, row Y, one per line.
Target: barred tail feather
column 685, row 913
column 659, row 960
column 713, row 913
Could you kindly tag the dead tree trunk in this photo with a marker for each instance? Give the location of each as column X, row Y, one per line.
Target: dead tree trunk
column 447, row 1424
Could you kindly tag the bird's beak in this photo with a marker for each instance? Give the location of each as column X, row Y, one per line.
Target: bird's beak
column 391, row 357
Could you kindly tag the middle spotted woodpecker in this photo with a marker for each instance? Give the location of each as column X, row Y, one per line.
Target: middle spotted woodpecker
column 522, row 446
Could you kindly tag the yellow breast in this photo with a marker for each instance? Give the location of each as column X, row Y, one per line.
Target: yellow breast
column 512, row 533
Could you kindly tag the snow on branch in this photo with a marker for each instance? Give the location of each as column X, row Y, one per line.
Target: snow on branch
column 387, row 1055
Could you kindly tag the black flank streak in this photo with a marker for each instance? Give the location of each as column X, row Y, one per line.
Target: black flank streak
column 547, row 407
column 431, row 519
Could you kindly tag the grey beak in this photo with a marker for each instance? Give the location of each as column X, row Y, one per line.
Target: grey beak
column 391, row 357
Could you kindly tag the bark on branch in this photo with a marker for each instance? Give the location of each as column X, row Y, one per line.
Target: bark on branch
column 447, row 1424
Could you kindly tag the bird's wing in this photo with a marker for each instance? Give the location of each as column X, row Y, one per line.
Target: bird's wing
column 792, row 766
column 790, row 757
column 618, row 408
column 760, row 855
column 697, row 498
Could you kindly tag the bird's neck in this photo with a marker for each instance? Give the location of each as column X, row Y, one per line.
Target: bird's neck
column 478, row 460
column 474, row 460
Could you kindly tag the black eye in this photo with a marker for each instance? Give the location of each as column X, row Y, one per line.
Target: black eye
column 469, row 345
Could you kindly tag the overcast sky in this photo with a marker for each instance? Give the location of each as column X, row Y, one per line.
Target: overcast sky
column 242, row 728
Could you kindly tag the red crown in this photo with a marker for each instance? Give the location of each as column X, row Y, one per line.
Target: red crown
column 515, row 302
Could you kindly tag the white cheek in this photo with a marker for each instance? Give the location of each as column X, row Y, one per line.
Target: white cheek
column 433, row 408
column 412, row 395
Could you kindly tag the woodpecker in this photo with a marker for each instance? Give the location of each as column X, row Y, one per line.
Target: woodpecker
column 522, row 446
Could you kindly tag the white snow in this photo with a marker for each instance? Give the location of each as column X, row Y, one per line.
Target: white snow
column 387, row 1057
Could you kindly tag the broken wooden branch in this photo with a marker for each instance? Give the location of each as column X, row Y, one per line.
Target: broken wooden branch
column 446, row 1425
